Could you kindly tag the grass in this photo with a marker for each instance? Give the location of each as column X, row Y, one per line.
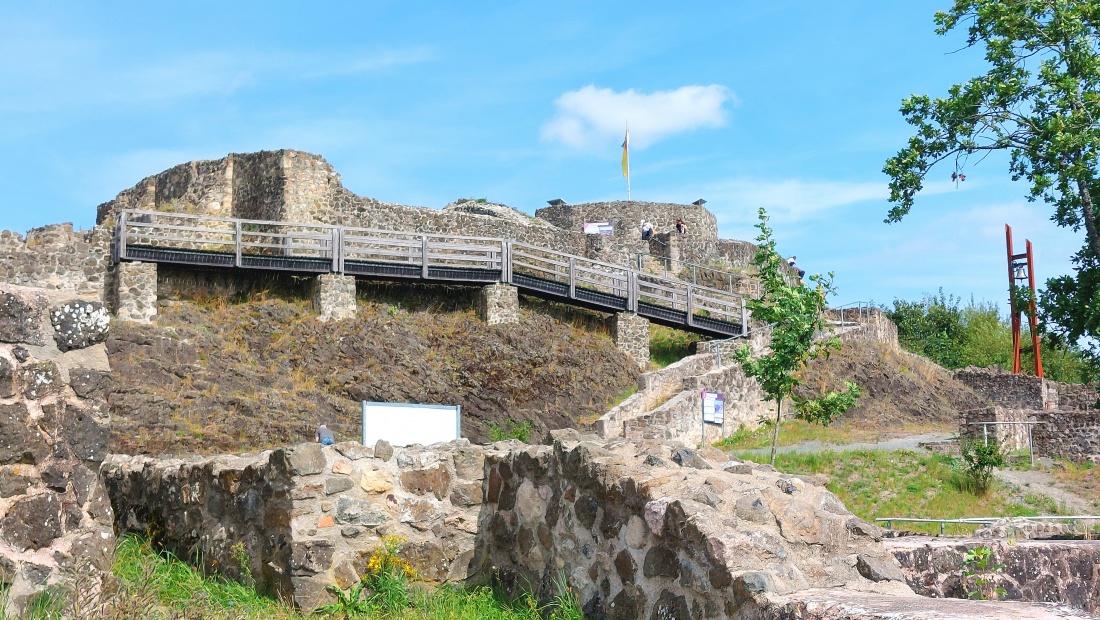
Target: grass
column 667, row 345
column 146, row 584
column 795, row 431
column 879, row 483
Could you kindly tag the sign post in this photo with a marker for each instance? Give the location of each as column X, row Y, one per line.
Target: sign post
column 714, row 411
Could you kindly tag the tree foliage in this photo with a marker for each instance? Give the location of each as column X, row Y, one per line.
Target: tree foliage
column 953, row 335
column 796, row 315
column 1040, row 103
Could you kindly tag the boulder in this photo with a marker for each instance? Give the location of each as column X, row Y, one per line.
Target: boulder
column 79, row 324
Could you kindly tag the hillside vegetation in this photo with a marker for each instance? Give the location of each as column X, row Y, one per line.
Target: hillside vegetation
column 218, row 375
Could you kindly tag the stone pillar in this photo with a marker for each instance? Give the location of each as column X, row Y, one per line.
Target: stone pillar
column 498, row 303
column 631, row 335
column 137, row 292
column 334, row 297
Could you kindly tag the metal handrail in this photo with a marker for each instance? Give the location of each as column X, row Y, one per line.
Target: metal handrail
column 862, row 309
column 984, row 520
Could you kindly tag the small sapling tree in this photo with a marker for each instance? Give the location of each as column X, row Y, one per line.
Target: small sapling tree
column 796, row 316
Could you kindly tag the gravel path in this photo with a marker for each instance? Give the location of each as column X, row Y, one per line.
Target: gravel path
column 1031, row 481
column 903, row 443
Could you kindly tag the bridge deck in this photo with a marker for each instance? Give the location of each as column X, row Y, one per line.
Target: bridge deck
column 182, row 239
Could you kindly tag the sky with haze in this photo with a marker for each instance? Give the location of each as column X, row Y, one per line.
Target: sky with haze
column 790, row 106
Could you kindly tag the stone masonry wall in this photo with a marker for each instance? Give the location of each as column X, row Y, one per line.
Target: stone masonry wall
column 334, row 296
column 1067, row 425
column 1066, row 571
column 498, row 304
column 296, row 186
column 54, row 514
column 308, row 516
column 1070, row 434
column 136, row 297
column 56, row 257
column 631, row 335
column 641, row 530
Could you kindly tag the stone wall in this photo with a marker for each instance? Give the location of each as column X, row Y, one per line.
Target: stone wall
column 1070, row 434
column 631, row 335
column 642, row 530
column 56, row 257
column 136, row 296
column 498, row 304
column 302, row 187
column 1067, row 425
column 334, row 297
column 874, row 326
column 54, row 514
column 307, row 516
column 1034, row 570
column 1005, row 389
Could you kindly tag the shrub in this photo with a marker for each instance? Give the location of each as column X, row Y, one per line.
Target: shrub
column 980, row 458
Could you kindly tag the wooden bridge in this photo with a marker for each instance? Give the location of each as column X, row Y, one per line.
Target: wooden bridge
column 230, row 243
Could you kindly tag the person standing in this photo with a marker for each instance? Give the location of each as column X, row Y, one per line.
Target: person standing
column 680, row 226
column 647, row 230
column 324, row 436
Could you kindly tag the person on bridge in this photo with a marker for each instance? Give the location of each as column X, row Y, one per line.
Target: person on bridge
column 647, row 230
column 324, row 436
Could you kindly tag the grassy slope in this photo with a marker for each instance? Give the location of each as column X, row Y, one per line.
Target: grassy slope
column 216, row 376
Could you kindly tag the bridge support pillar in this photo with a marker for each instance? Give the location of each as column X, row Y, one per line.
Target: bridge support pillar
column 334, row 297
column 136, row 292
column 498, row 303
column 631, row 334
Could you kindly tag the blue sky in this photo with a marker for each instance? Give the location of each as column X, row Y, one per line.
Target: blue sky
column 787, row 105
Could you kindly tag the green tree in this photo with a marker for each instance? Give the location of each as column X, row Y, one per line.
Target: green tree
column 1040, row 103
column 796, row 316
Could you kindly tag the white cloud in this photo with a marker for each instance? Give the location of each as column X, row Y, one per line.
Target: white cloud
column 789, row 200
column 591, row 116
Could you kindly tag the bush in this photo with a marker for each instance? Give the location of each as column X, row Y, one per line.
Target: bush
column 979, row 460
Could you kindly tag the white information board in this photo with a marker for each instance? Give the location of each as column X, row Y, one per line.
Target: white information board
column 404, row 424
column 714, row 407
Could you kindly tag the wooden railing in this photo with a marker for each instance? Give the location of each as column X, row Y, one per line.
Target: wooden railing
column 321, row 248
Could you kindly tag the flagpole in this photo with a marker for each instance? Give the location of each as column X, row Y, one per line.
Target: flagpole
column 626, row 159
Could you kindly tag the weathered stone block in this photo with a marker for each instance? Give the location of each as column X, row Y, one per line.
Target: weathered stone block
column 18, row 442
column 357, row 512
column 39, row 379
column 88, row 383
column 337, row 484
column 383, row 450
column 22, row 317
column 311, row 556
column 305, row 459
column 878, row 569
column 7, row 378
column 79, row 324
column 436, row 480
column 33, row 522
column 469, row 463
column 16, row 479
column 354, row 450
column 375, row 481
column 466, row 493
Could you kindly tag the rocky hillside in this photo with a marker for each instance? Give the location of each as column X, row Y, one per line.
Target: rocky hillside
column 898, row 387
column 215, row 376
